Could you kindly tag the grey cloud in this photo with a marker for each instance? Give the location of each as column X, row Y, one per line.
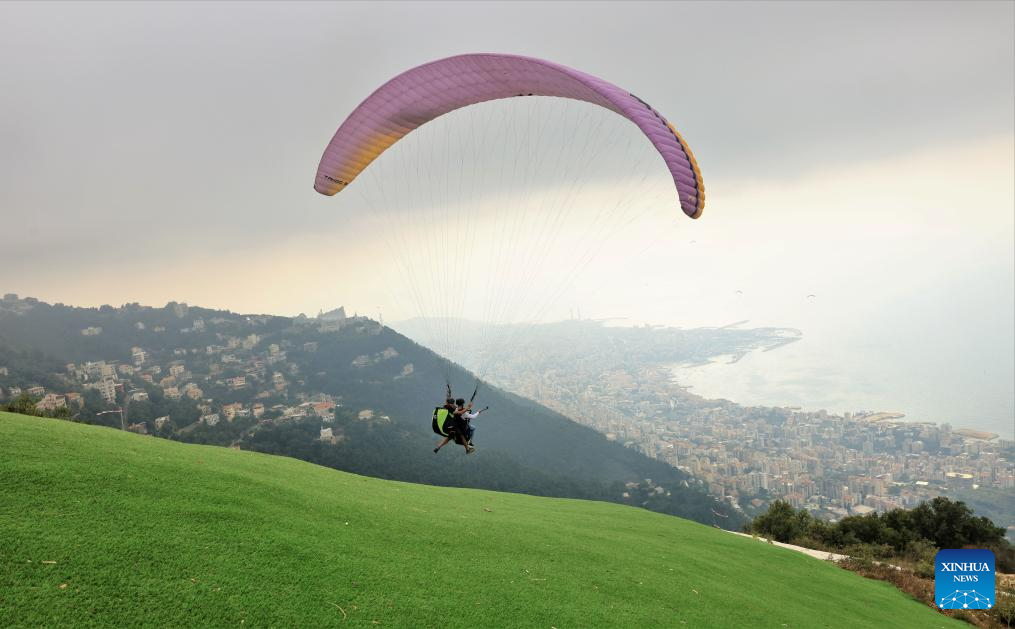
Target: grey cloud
column 201, row 124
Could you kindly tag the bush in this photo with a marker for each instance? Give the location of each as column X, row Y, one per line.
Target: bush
column 938, row 523
column 23, row 404
column 964, row 616
column 922, row 553
column 1004, row 555
column 924, row 569
column 1004, row 607
column 870, row 552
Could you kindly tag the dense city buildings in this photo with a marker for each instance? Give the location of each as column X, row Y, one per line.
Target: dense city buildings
column 622, row 383
column 833, row 465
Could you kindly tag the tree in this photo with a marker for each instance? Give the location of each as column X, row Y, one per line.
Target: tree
column 952, row 524
column 24, row 404
column 782, row 522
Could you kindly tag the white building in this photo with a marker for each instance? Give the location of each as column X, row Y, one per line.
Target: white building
column 107, row 371
column 51, row 402
column 193, row 391
column 107, row 389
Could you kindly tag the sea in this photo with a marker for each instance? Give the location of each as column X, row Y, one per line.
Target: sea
column 895, row 370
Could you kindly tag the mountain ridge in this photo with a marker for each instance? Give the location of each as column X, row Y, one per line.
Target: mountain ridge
column 384, row 387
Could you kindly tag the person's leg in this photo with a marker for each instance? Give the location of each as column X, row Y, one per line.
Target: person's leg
column 467, row 442
column 442, row 444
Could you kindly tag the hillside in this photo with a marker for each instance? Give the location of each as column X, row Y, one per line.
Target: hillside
column 102, row 527
column 382, row 387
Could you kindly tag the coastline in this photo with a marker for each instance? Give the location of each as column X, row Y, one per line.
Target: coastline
column 761, row 377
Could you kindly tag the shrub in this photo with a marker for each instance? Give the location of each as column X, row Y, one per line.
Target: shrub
column 940, row 522
column 922, row 553
column 1004, row 555
column 23, row 404
column 1004, row 608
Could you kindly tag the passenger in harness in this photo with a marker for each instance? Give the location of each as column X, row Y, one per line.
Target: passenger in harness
column 449, row 423
column 468, row 415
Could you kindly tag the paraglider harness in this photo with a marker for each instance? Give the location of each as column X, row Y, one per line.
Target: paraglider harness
column 444, row 423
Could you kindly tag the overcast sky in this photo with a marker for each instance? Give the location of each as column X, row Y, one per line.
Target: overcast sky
column 861, row 152
column 136, row 136
column 150, row 151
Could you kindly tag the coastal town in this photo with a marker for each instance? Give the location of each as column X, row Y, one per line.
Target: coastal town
column 833, row 465
column 622, row 383
column 244, row 379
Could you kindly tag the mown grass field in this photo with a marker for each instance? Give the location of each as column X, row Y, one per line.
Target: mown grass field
column 99, row 527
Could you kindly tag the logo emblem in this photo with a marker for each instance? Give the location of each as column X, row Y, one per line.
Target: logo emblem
column 964, row 579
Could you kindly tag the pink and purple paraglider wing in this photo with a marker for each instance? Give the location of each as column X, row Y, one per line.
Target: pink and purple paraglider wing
column 421, row 94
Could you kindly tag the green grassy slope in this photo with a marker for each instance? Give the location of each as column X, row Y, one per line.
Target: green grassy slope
column 103, row 527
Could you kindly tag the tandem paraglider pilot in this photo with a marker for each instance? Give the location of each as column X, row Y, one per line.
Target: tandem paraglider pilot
column 453, row 421
column 449, row 423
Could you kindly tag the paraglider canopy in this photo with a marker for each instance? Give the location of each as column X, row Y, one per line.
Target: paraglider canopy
column 499, row 203
column 421, row 94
